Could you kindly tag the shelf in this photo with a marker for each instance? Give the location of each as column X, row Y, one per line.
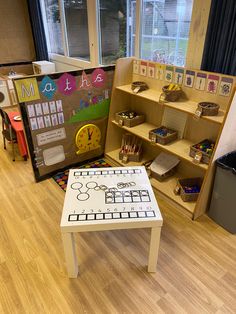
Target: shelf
column 179, row 148
column 165, row 187
column 184, row 106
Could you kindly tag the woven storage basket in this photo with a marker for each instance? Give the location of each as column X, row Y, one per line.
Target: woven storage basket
column 140, row 86
column 123, row 121
column 171, row 95
column 208, row 108
column 189, row 182
column 157, row 138
column 205, row 157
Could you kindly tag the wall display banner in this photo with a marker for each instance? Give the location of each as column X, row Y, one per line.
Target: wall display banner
column 212, row 83
column 189, row 78
column 179, row 76
column 151, row 70
column 200, row 82
column 225, row 86
column 65, row 117
column 169, row 73
column 143, row 68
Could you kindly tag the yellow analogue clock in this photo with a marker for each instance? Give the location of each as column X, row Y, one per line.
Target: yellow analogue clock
column 87, row 138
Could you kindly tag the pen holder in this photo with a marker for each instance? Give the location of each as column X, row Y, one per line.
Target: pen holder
column 131, row 148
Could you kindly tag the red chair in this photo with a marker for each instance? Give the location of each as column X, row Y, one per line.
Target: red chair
column 7, row 132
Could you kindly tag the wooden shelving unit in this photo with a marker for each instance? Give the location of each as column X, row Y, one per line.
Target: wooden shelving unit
column 195, row 130
column 184, row 106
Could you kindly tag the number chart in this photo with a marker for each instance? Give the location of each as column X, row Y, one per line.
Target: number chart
column 109, row 195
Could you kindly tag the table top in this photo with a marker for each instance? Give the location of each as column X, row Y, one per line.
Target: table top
column 109, row 198
column 17, row 125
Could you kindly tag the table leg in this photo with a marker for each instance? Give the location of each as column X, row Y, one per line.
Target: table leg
column 70, row 254
column 154, row 249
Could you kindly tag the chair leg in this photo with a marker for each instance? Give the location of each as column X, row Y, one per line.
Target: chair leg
column 13, row 151
column 4, row 142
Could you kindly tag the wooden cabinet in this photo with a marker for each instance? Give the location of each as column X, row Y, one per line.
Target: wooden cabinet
column 183, row 112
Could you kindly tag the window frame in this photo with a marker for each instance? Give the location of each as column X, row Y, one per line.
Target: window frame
column 94, row 38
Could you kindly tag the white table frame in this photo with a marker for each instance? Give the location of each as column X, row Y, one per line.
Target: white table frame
column 68, row 230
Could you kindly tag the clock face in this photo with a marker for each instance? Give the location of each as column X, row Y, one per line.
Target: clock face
column 88, row 138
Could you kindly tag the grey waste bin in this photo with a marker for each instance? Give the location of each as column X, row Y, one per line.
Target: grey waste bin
column 223, row 202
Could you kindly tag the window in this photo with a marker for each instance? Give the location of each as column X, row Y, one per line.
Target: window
column 165, row 30
column 88, row 33
column 76, row 20
column 116, row 29
column 54, row 28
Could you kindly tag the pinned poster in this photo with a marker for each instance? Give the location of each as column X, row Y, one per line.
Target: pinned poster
column 200, row 82
column 84, row 82
column 212, row 83
column 66, row 84
column 48, row 87
column 189, row 78
column 27, row 89
column 143, row 68
column 135, row 67
column 169, row 73
column 225, row 86
column 151, row 70
column 179, row 76
column 160, row 70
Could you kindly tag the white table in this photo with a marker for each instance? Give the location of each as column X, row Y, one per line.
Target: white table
column 100, row 199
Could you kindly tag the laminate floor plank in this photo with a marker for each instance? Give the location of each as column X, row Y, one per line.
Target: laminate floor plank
column 196, row 270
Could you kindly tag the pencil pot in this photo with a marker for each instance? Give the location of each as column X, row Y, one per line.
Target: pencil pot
column 126, row 157
column 131, row 148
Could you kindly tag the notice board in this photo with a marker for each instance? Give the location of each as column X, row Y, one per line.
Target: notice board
column 65, row 117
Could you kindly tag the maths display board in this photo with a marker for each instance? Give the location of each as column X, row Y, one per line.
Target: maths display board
column 65, row 117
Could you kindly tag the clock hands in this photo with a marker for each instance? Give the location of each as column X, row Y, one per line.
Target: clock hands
column 89, row 134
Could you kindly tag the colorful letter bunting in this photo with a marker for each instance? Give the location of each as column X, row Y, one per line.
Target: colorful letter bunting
column 27, row 89
column 98, row 78
column 66, row 84
column 48, row 87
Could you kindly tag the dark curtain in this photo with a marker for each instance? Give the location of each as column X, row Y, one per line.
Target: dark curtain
column 38, row 29
column 220, row 45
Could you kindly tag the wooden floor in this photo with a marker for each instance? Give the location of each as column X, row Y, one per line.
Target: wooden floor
column 196, row 266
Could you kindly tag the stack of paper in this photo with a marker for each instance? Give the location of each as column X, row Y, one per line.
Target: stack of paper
column 164, row 163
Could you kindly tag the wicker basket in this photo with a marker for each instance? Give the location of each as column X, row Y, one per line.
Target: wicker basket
column 124, row 121
column 171, row 95
column 208, row 108
column 188, row 182
column 157, row 138
column 205, row 157
column 139, row 86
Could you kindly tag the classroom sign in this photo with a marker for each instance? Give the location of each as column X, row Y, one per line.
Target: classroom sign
column 65, row 117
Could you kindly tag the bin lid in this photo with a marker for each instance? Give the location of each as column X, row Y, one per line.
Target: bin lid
column 228, row 162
